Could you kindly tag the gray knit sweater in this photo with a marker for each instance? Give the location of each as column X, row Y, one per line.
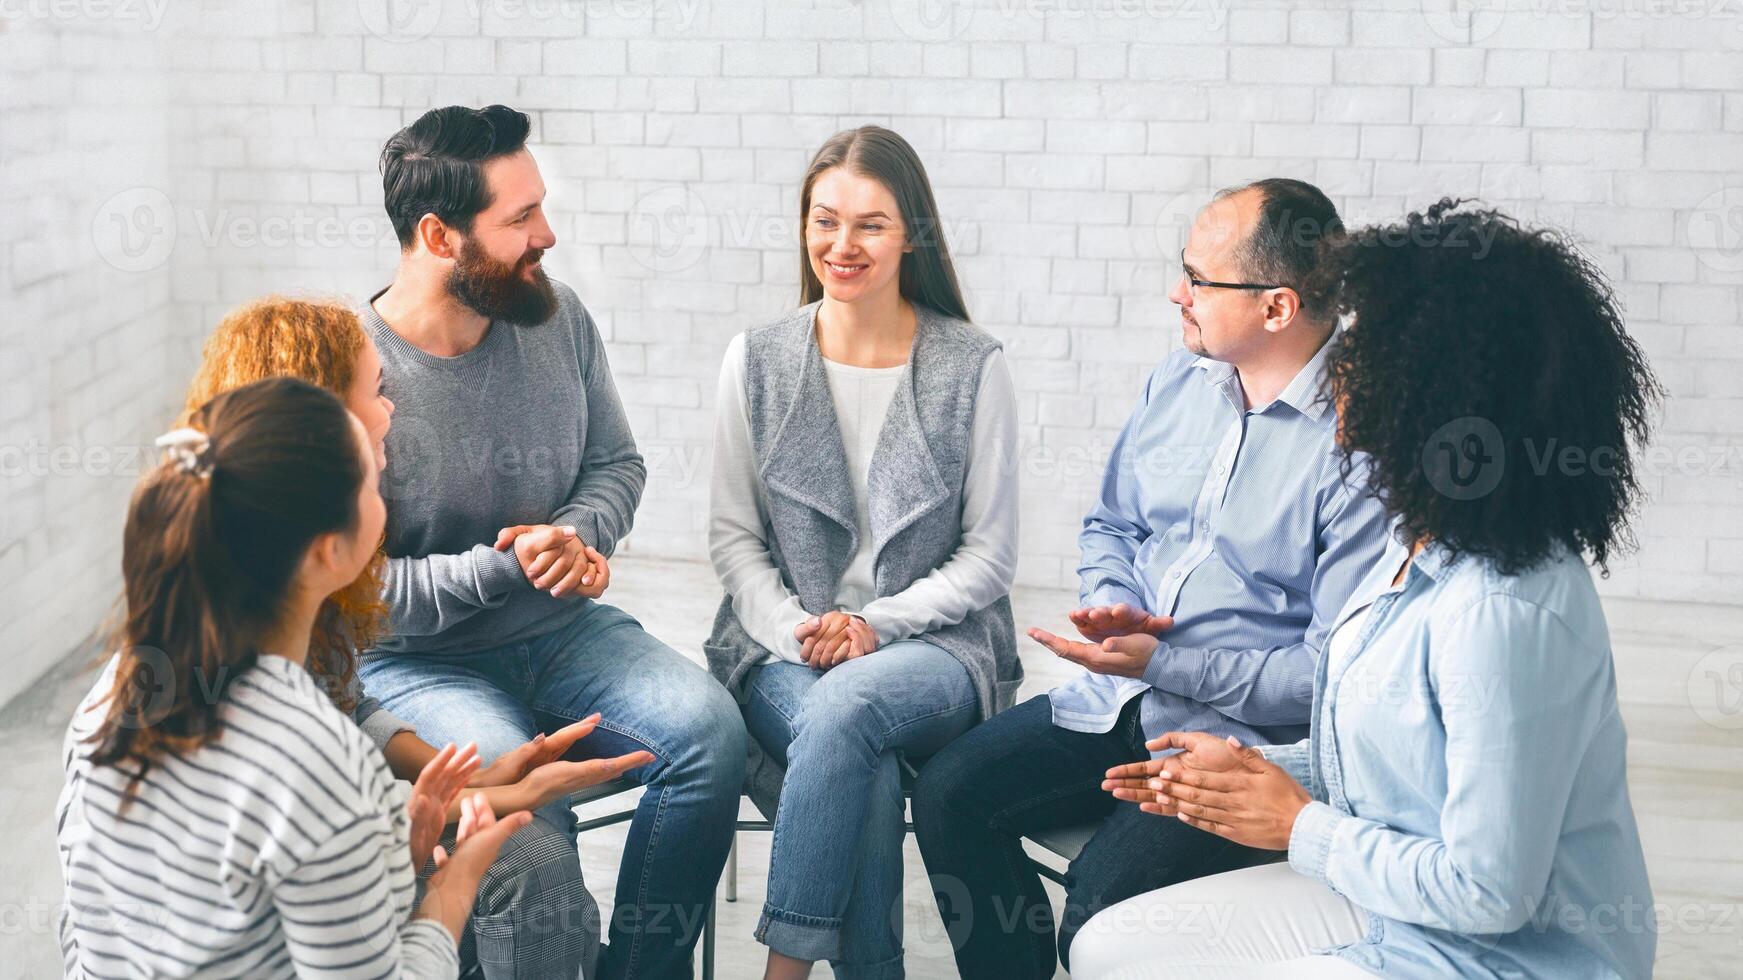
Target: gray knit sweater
column 525, row 428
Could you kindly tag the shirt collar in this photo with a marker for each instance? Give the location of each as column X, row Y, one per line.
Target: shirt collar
column 1435, row 561
column 1215, row 372
column 1307, row 392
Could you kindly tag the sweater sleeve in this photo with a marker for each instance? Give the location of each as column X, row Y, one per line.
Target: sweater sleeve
column 737, row 524
column 601, row 505
column 380, row 724
column 430, row 594
column 337, row 912
column 985, row 563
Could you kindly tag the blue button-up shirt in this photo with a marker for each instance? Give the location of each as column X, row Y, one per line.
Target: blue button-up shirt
column 1238, row 523
column 1468, row 759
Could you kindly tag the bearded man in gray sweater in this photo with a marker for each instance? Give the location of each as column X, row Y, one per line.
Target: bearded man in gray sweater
column 511, row 477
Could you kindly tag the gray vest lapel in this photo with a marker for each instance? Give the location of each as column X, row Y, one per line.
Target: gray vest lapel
column 807, row 463
column 904, row 482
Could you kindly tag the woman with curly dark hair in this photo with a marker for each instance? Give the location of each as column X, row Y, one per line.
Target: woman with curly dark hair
column 1462, row 806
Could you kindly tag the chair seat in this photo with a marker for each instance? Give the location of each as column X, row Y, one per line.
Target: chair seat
column 1067, row 842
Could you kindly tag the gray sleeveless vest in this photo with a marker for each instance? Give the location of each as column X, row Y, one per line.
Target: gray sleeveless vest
column 914, row 491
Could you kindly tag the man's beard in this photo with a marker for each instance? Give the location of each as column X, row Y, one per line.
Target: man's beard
column 496, row 290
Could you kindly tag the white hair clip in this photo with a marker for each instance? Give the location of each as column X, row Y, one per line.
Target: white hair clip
column 191, row 450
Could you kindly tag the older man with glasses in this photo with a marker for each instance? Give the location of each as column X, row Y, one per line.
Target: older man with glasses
column 1225, row 527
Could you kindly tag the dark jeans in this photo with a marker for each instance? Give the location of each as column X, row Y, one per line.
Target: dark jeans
column 1018, row 774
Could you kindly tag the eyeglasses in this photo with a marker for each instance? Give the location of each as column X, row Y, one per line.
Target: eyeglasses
column 1198, row 283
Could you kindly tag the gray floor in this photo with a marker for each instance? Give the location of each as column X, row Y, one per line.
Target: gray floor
column 1685, row 764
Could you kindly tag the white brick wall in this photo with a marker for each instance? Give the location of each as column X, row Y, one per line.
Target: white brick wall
column 85, row 370
column 1068, row 142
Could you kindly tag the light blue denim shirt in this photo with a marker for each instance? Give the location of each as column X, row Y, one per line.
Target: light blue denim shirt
column 1468, row 763
column 1238, row 524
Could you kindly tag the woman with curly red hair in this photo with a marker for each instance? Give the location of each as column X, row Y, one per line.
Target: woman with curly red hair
column 537, row 881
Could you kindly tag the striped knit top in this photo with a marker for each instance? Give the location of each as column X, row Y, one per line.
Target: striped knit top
column 279, row 849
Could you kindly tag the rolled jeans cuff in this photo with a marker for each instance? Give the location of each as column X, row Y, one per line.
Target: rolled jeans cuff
column 803, row 937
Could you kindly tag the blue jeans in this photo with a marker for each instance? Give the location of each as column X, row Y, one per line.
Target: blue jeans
column 835, row 866
column 650, row 697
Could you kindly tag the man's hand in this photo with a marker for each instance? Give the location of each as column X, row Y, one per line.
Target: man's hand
column 556, row 560
column 834, row 638
column 1097, row 623
column 1215, row 785
column 1120, row 656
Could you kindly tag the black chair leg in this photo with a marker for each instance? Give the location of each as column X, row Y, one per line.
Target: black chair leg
column 708, row 942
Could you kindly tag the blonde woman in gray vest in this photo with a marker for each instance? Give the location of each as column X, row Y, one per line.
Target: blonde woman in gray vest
column 864, row 527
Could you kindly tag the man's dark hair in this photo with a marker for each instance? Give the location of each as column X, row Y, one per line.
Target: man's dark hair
column 436, row 165
column 1296, row 219
column 1492, row 384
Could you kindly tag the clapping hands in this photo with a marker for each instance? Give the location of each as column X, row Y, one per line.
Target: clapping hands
column 437, row 785
column 1216, row 785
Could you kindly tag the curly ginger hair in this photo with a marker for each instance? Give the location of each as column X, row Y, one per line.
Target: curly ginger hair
column 318, row 341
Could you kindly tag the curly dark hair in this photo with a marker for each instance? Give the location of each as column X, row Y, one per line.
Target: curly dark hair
column 1488, row 377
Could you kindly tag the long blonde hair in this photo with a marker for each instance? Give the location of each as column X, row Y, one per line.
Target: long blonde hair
column 318, row 341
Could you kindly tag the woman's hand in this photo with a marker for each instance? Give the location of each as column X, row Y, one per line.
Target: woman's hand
column 437, row 785
column 556, row 780
column 834, row 638
column 513, row 765
column 450, row 892
column 1218, row 786
column 534, row 773
column 1133, row 782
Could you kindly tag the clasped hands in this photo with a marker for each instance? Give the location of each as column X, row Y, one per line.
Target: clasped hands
column 556, row 560
column 834, row 638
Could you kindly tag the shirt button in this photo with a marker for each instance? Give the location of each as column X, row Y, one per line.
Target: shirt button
column 1204, row 525
column 1174, row 574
